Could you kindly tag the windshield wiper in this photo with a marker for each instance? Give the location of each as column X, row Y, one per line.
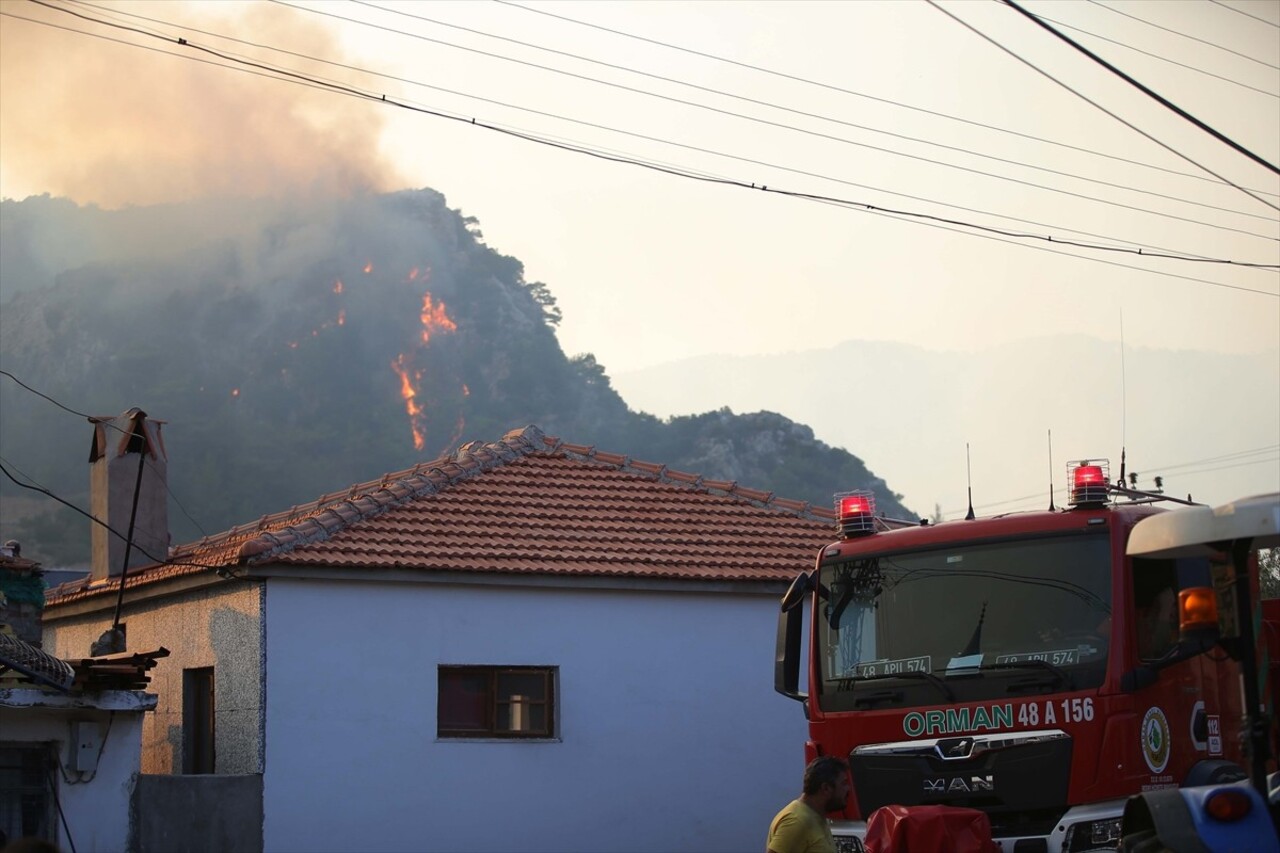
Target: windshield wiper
column 1060, row 674
column 849, row 681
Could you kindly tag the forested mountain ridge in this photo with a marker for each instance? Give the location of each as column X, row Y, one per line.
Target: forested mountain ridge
column 294, row 349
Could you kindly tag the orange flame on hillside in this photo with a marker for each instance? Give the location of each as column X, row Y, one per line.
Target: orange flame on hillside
column 434, row 318
column 337, row 286
column 368, row 267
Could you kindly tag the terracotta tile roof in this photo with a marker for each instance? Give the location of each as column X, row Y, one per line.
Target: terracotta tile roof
column 529, row 504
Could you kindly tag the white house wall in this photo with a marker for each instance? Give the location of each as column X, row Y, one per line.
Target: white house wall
column 215, row 626
column 95, row 804
column 671, row 737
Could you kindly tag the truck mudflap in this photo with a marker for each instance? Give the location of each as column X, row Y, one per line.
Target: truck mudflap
column 1095, row 826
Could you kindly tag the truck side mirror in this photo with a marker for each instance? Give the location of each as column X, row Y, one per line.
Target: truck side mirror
column 786, row 662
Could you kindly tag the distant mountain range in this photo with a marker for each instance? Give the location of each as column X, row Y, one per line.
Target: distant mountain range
column 1207, row 422
column 295, row 348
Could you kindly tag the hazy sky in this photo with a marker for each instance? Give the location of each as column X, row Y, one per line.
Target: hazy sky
column 896, row 105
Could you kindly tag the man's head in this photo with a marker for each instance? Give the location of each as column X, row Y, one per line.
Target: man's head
column 826, row 780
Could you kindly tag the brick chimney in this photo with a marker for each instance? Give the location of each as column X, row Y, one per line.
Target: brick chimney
column 120, row 445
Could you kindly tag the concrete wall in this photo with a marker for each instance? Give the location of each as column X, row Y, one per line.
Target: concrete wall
column 218, row 626
column 671, row 736
column 198, row 814
column 95, row 803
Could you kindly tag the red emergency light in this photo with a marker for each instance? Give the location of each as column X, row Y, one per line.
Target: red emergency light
column 1088, row 478
column 855, row 513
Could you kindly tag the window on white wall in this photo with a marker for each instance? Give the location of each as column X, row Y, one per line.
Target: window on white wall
column 496, row 702
column 26, row 804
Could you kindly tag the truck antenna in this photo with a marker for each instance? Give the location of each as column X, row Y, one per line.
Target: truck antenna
column 1124, row 402
column 1050, row 470
column 968, row 473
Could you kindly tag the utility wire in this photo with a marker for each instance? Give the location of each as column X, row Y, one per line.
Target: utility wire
column 1246, row 14
column 729, row 113
column 889, row 102
column 1184, row 35
column 1145, row 250
column 1039, row 496
column 289, row 76
column 1162, row 101
column 798, row 112
column 112, row 426
column 1041, row 248
column 1226, row 457
column 35, row 486
column 1161, row 58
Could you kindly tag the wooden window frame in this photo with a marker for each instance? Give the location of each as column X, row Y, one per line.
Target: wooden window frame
column 495, row 703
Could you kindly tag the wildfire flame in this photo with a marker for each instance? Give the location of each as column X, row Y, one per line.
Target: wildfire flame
column 337, row 287
column 368, row 267
column 434, row 318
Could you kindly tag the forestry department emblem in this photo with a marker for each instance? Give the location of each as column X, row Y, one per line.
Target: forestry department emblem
column 1155, row 740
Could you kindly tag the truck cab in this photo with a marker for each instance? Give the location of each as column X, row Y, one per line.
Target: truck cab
column 1023, row 664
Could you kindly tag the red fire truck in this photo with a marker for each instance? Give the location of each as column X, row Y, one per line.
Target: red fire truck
column 1021, row 664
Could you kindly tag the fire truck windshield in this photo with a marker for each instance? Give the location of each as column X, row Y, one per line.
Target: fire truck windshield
column 983, row 619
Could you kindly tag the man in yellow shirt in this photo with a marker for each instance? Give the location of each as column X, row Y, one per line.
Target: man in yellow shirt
column 801, row 827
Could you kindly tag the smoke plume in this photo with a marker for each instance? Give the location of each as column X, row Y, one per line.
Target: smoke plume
column 115, row 125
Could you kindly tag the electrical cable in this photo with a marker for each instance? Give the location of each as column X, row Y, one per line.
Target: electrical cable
column 818, row 116
column 830, row 87
column 111, row 426
column 1039, row 496
column 659, row 140
column 1072, row 254
column 732, row 114
column 57, row 802
column 1162, row 101
column 42, row 490
column 289, row 76
column 1159, row 57
column 1246, row 14
column 1184, row 35
column 1088, row 100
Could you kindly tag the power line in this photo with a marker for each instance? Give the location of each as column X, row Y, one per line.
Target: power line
column 1161, row 58
column 42, row 490
column 1040, row 248
column 1039, row 496
column 1162, row 101
column 507, row 105
column 112, row 426
column 290, row 76
column 1184, row 35
column 786, row 109
column 1232, row 457
column 742, row 116
column 831, row 87
column 1246, row 14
